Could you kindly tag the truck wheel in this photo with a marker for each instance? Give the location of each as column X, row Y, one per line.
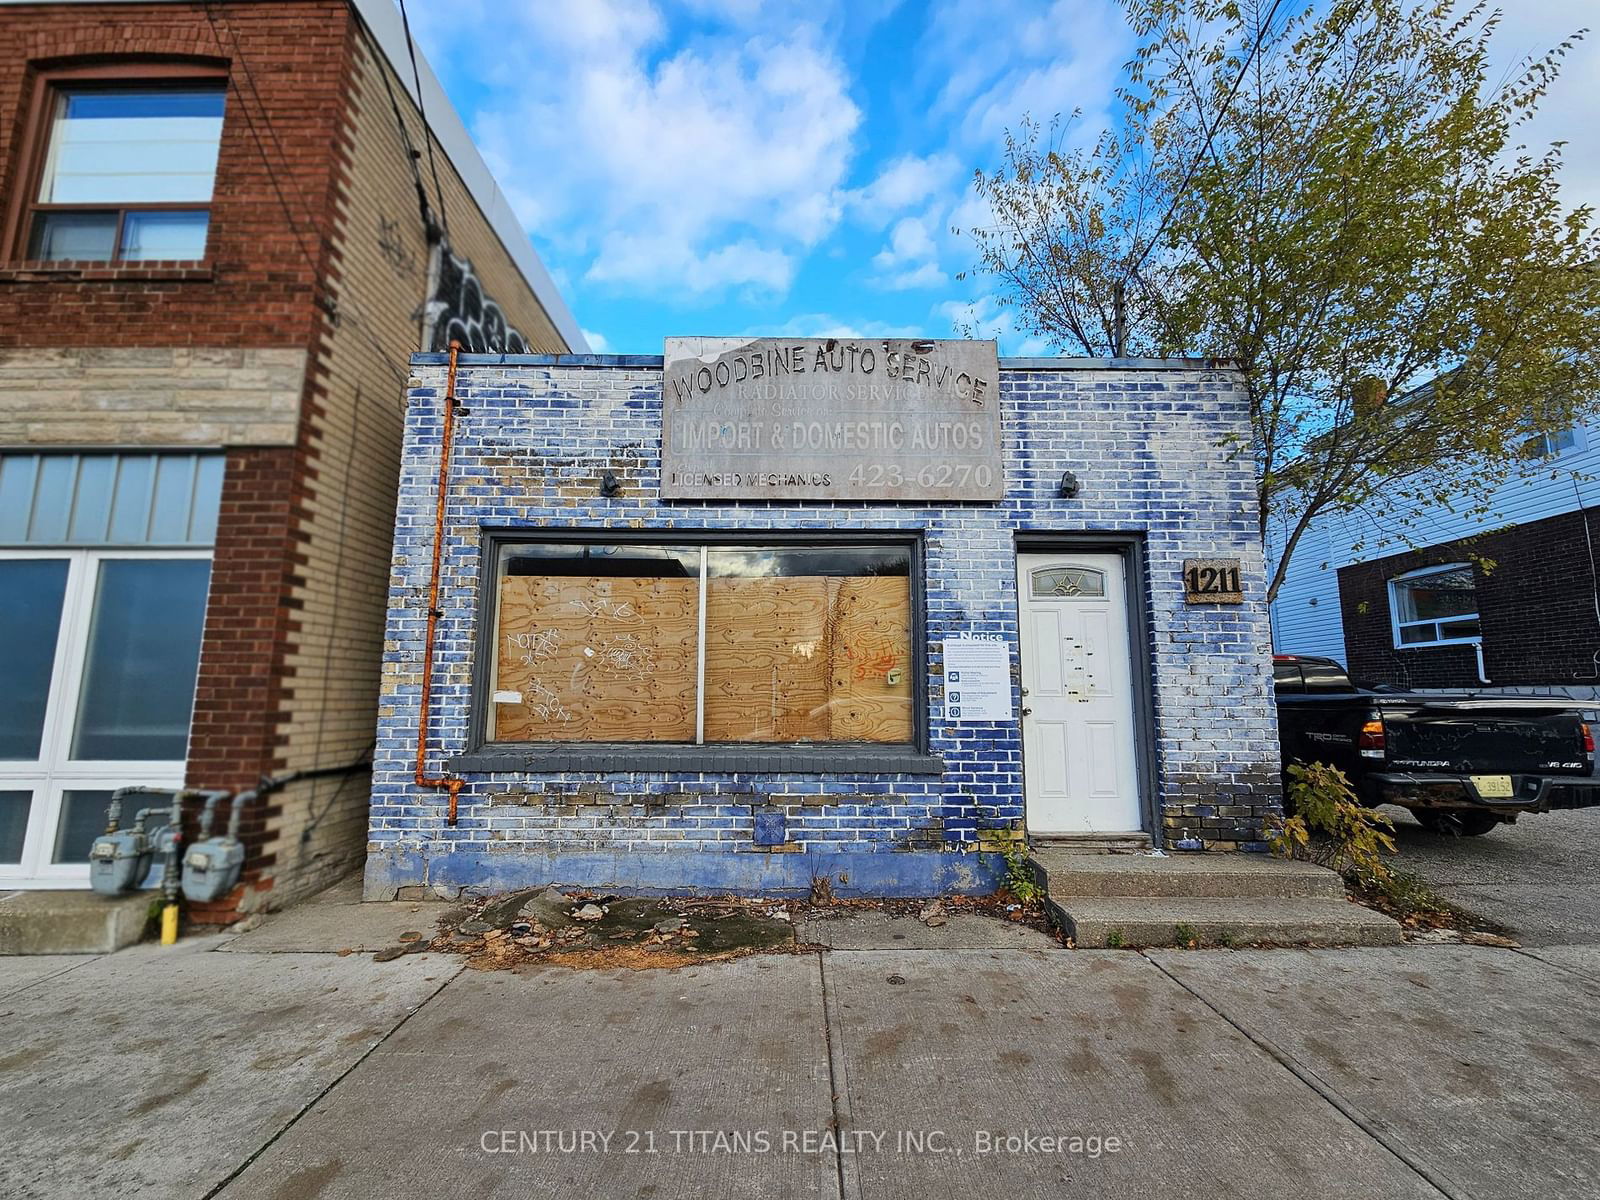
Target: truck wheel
column 1455, row 822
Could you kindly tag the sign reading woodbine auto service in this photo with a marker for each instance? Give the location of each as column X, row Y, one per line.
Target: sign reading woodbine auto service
column 830, row 419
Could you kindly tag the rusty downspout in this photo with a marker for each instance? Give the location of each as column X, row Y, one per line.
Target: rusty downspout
column 423, row 779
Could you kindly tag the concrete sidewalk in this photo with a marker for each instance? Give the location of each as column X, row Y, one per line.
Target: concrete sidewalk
column 901, row 1071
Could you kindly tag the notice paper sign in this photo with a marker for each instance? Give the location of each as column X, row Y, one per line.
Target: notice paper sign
column 977, row 678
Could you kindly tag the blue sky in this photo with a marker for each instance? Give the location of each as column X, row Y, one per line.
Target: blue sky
column 734, row 166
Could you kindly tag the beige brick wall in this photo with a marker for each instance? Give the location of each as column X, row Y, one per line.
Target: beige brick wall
column 167, row 396
column 352, row 436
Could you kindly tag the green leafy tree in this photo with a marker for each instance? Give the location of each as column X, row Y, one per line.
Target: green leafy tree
column 1336, row 200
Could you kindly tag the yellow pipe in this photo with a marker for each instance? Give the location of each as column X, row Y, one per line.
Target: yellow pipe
column 169, row 925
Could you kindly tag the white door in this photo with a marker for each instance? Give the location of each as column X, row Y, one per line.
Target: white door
column 1077, row 695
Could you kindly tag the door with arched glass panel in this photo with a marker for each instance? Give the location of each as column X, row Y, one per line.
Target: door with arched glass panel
column 1077, row 699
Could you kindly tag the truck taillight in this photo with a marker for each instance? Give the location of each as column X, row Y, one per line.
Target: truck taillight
column 1588, row 739
column 1370, row 740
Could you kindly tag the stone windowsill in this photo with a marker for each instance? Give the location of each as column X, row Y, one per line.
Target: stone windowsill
column 594, row 759
column 148, row 272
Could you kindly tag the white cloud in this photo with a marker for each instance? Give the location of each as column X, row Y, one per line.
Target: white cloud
column 598, row 344
column 706, row 164
column 928, row 275
column 626, row 258
column 907, row 182
column 987, row 317
column 826, row 325
column 909, row 241
column 1063, row 57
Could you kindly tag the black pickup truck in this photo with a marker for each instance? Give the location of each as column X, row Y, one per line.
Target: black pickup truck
column 1461, row 762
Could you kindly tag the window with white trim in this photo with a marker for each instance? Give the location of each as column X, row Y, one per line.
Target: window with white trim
column 1436, row 606
column 105, row 564
column 1552, row 444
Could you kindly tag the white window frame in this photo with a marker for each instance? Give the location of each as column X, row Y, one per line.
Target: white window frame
column 54, row 773
column 1396, row 624
column 1548, row 449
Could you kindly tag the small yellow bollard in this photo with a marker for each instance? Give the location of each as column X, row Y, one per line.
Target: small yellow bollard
column 169, row 925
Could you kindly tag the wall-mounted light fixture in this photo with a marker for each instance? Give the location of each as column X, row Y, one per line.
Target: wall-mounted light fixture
column 610, row 485
column 1069, row 486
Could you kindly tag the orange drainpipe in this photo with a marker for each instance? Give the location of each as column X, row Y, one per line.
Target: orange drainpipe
column 423, row 780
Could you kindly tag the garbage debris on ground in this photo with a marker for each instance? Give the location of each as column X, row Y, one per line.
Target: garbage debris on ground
column 581, row 929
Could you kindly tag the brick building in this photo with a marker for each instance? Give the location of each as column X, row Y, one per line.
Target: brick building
column 225, row 226
column 698, row 633
column 1484, row 591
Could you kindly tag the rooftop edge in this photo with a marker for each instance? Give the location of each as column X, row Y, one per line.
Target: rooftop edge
column 656, row 361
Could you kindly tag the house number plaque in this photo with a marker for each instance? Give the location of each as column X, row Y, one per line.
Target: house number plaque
column 1212, row 581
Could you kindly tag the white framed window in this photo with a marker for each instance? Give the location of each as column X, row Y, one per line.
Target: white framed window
column 1553, row 444
column 105, row 565
column 105, row 653
column 1435, row 606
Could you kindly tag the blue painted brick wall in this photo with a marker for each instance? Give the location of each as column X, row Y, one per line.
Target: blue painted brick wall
column 1159, row 449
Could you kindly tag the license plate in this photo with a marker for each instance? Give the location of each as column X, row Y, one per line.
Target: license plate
column 1492, row 786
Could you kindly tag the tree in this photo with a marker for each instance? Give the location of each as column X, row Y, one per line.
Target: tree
column 1336, row 201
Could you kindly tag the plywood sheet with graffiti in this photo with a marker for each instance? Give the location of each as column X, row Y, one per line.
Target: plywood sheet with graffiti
column 808, row 658
column 596, row 659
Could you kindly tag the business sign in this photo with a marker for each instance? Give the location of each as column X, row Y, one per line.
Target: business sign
column 977, row 678
column 830, row 419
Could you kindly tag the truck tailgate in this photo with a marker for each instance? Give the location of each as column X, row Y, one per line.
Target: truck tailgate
column 1475, row 738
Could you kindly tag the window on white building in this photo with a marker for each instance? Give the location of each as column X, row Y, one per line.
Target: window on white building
column 1436, row 606
column 1552, row 445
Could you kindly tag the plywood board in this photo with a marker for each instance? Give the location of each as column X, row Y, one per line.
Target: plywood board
column 808, row 658
column 767, row 659
column 870, row 680
column 592, row 659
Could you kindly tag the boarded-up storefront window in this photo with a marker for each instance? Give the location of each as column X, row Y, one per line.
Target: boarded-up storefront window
column 597, row 644
column 600, row 643
column 808, row 645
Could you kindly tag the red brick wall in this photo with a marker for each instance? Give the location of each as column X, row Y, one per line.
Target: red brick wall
column 270, row 274
column 1536, row 606
column 286, row 66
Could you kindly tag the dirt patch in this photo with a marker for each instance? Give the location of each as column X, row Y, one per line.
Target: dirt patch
column 1423, row 913
column 591, row 931
column 585, row 930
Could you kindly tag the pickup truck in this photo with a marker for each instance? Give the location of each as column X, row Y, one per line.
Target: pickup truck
column 1461, row 762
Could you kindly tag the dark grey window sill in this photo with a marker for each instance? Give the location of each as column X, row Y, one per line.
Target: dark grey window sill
column 593, row 758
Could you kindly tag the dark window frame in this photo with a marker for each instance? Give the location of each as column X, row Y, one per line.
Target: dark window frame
column 599, row 758
column 34, row 152
column 1134, row 551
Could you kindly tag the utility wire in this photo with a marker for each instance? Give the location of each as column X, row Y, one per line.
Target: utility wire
column 255, row 134
column 1194, row 167
column 427, row 129
column 345, row 313
column 411, row 152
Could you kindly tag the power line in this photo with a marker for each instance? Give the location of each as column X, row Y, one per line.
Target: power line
column 411, row 152
column 1194, row 167
column 422, row 110
column 272, row 177
column 343, row 313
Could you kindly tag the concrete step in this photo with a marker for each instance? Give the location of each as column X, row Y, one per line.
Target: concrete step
column 1101, row 921
column 1064, row 874
column 71, row 922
